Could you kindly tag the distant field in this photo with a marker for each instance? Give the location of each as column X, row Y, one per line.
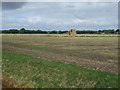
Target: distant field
column 66, row 35
column 98, row 53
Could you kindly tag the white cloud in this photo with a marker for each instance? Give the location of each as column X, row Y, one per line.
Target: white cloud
column 56, row 16
column 33, row 20
column 60, row 0
column 79, row 21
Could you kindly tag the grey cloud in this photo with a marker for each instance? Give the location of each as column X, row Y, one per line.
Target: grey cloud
column 12, row 5
column 62, row 16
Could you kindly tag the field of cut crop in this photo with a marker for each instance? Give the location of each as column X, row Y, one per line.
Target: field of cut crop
column 45, row 59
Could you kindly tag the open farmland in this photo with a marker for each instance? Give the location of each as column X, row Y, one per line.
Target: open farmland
column 99, row 53
column 95, row 53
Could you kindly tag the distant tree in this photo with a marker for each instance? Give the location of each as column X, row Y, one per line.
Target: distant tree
column 87, row 32
column 117, row 31
column 99, row 32
column 13, row 31
column 109, row 31
column 61, row 32
column 53, row 32
column 10, row 31
column 22, row 30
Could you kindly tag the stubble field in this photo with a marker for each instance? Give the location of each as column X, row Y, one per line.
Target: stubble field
column 99, row 53
column 95, row 53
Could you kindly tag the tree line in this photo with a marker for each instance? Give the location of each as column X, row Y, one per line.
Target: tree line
column 24, row 31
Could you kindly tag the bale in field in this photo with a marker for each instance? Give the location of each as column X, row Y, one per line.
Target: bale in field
column 72, row 32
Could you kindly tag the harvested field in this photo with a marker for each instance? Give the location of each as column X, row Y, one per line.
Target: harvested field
column 66, row 35
column 97, row 53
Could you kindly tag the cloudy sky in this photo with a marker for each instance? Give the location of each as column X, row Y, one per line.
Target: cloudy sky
column 60, row 15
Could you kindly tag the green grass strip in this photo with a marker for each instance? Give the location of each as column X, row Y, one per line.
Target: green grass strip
column 39, row 73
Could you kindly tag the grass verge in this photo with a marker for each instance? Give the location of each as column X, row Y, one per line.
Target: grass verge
column 34, row 72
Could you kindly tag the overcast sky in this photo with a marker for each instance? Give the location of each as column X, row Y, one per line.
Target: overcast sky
column 60, row 16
